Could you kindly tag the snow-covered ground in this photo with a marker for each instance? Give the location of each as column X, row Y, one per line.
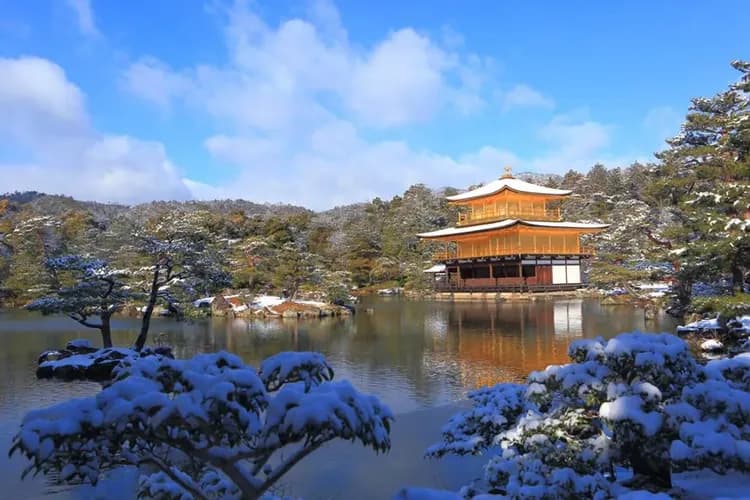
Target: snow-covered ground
column 713, row 324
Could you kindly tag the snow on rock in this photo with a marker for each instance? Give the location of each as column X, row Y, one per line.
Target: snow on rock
column 740, row 324
column 743, row 324
column 79, row 344
column 91, row 364
column 203, row 302
column 712, row 345
column 315, row 303
column 267, row 301
column 700, row 325
column 654, row 289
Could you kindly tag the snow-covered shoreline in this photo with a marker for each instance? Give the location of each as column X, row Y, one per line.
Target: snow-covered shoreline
column 269, row 306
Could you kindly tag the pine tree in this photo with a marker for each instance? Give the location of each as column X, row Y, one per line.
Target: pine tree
column 705, row 177
column 91, row 289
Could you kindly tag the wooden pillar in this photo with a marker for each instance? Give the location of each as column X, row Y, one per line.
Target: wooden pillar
column 518, row 243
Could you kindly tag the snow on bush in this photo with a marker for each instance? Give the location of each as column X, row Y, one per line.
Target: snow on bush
column 207, row 427
column 638, row 401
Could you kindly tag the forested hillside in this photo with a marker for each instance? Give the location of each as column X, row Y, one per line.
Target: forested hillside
column 270, row 247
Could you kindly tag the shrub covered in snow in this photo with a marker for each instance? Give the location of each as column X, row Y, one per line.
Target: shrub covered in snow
column 208, row 427
column 638, row 401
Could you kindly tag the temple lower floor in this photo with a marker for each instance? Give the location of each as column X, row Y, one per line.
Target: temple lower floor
column 512, row 274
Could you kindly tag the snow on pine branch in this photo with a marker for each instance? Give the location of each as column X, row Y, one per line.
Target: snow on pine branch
column 95, row 288
column 286, row 367
column 211, row 426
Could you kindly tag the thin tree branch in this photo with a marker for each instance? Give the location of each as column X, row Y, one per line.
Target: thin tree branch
column 284, row 467
column 82, row 319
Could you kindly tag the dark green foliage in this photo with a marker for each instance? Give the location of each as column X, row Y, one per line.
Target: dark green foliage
column 704, row 176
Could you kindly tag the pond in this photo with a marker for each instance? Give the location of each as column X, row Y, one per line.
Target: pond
column 419, row 357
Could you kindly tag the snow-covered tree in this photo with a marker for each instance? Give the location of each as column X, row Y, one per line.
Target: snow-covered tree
column 180, row 263
column 638, row 401
column 705, row 174
column 90, row 292
column 294, row 267
column 208, row 427
column 336, row 285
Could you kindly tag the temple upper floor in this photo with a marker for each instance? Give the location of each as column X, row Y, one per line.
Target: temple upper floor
column 507, row 205
column 508, row 198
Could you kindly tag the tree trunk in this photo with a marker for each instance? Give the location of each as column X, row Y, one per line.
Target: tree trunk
column 722, row 322
column 738, row 279
column 683, row 296
column 655, row 470
column 106, row 330
column 146, row 321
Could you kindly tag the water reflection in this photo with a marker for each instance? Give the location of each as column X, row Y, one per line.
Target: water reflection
column 412, row 354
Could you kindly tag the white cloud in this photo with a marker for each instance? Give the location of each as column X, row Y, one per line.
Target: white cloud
column 37, row 100
column 305, row 71
column 523, row 96
column 577, row 143
column 155, row 82
column 45, row 115
column 401, row 81
column 489, row 159
column 243, row 151
column 85, row 16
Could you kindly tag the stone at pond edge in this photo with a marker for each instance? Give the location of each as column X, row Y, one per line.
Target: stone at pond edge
column 80, row 346
column 712, row 345
column 96, row 365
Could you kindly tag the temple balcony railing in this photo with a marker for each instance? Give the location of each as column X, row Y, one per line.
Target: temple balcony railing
column 498, row 214
column 444, row 255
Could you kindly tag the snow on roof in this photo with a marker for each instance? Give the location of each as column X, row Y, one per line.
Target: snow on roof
column 437, row 268
column 508, row 183
column 456, row 231
column 569, row 225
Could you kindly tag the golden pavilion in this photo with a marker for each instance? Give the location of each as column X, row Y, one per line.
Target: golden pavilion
column 510, row 237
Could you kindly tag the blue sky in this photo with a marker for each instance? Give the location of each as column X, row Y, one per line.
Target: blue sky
column 320, row 103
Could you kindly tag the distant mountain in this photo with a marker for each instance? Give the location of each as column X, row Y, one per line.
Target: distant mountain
column 56, row 205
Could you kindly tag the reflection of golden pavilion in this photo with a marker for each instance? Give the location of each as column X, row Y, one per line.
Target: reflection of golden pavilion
column 519, row 339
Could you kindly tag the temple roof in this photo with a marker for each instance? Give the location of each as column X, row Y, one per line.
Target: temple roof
column 457, row 231
column 510, row 183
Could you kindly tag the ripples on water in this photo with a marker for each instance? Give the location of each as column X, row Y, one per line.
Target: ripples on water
column 414, row 355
